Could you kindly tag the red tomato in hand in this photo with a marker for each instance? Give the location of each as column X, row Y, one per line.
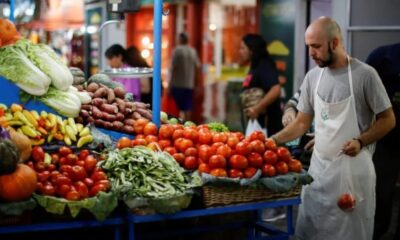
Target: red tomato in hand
column 283, row 154
column 281, row 167
column 217, row 161
column 270, row 157
column 238, row 162
column 37, row 154
column 234, row 173
column 255, row 160
column 268, row 170
column 346, row 202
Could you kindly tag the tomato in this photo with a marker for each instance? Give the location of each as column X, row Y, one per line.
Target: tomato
column 191, row 151
column 178, row 133
column 72, row 158
column 215, row 146
column 82, row 189
column 139, row 141
column 73, row 195
column 166, row 131
column 83, row 154
column 163, row 143
column 257, row 135
column 224, row 150
column 219, row 172
column 53, row 176
column 268, row 170
column 281, row 167
column 270, row 144
column 203, row 127
column 48, row 190
column 234, row 173
column 64, row 161
column 205, row 137
column 190, row 163
column 232, row 141
column 63, row 190
column 205, row 152
column 151, row 138
column 55, row 158
column 204, row 168
column 238, row 162
column 39, row 166
column 295, row 165
column 270, row 157
column 43, row 176
column 78, row 173
column 96, row 189
column 255, row 160
column 249, row 172
column 106, row 183
column 88, row 182
column 64, row 151
column 243, row 148
column 51, row 167
column 217, row 161
column 90, row 163
column 283, row 154
column 346, row 202
column 139, row 125
column 97, row 176
column 179, row 157
column 124, row 142
column 220, row 137
column 154, row 146
column 170, row 150
column 37, row 153
column 150, row 129
column 184, row 144
column 190, row 133
column 257, row 146
column 239, row 135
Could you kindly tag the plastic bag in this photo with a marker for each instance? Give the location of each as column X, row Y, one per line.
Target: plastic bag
column 348, row 196
column 253, row 125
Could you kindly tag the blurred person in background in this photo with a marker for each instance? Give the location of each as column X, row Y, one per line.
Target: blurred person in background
column 386, row 61
column 184, row 75
column 117, row 57
column 135, row 59
column 267, row 110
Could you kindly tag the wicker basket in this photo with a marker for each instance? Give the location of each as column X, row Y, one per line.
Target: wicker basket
column 220, row 195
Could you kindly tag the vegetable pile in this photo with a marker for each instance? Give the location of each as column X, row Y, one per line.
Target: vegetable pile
column 142, row 172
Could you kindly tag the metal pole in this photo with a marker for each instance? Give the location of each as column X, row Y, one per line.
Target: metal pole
column 12, row 7
column 157, row 62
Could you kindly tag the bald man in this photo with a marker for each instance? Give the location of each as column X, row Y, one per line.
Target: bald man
column 351, row 109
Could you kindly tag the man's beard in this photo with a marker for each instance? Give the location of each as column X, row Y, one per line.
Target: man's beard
column 328, row 61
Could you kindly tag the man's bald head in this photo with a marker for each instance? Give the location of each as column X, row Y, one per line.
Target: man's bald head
column 326, row 26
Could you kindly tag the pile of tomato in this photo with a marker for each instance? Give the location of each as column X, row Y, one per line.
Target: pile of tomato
column 222, row 154
column 68, row 175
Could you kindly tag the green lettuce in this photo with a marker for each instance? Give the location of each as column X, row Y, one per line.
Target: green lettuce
column 16, row 67
column 65, row 103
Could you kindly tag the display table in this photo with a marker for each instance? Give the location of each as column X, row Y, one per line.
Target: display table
column 112, row 222
column 255, row 228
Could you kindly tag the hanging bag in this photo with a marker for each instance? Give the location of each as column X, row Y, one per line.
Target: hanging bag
column 252, row 126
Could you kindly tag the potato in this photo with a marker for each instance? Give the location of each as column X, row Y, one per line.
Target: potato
column 98, row 101
column 110, row 95
column 92, row 87
column 100, row 93
column 119, row 92
column 120, row 116
column 109, row 108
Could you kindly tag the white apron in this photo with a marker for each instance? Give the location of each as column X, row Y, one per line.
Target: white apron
column 319, row 216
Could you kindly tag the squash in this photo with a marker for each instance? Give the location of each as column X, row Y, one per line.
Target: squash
column 19, row 185
column 9, row 156
column 22, row 143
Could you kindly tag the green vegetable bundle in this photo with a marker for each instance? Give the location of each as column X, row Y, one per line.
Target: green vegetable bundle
column 142, row 172
column 217, row 127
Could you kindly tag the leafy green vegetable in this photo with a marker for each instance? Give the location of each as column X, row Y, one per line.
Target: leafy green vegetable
column 16, row 67
column 217, row 127
column 65, row 103
column 49, row 62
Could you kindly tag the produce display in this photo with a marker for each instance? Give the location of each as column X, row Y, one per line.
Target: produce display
column 44, row 127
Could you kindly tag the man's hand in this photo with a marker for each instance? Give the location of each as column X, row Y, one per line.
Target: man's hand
column 352, row 147
column 288, row 116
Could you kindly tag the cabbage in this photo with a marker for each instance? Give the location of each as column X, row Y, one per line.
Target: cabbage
column 49, row 62
column 84, row 97
column 65, row 103
column 16, row 67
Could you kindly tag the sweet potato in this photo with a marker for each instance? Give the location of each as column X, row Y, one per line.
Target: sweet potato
column 109, row 117
column 83, row 113
column 99, row 123
column 96, row 113
column 117, row 125
column 109, row 108
column 144, row 112
column 98, row 101
column 129, row 121
column 128, row 129
column 100, row 93
column 120, row 116
column 136, row 115
column 110, row 95
column 130, row 105
column 87, row 107
column 121, row 104
column 119, row 92
column 92, row 87
column 90, row 119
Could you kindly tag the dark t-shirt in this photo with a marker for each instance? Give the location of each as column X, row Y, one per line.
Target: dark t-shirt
column 386, row 61
column 265, row 76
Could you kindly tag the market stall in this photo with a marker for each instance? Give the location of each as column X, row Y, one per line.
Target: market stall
column 92, row 148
